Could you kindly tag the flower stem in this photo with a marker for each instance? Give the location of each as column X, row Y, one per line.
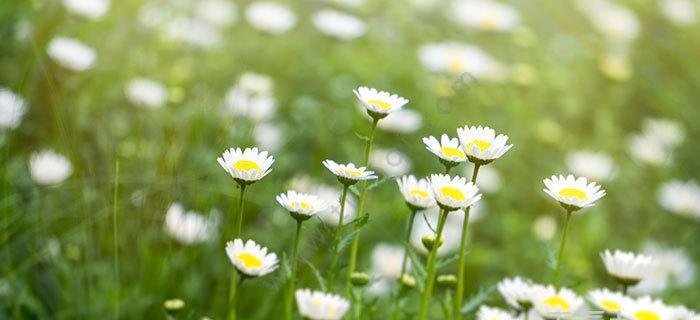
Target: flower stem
column 239, row 222
column 293, row 277
column 561, row 247
column 336, row 240
column 624, row 289
column 407, row 238
column 360, row 204
column 234, row 275
column 430, row 272
column 459, row 293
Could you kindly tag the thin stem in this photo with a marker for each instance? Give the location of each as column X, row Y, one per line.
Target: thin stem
column 461, row 274
column 357, row 311
column 114, row 236
column 430, row 272
column 449, row 305
column 239, row 222
column 447, row 169
column 360, row 205
column 561, row 247
column 293, row 277
column 234, row 275
column 336, row 239
column 624, row 289
column 404, row 263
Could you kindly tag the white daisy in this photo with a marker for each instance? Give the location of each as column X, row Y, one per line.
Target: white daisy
column 646, row 308
column 250, row 258
column 302, row 206
column 668, row 132
column 331, row 195
column 481, row 145
column 12, row 109
column 459, row 59
column 402, row 121
column 338, row 24
column 189, row 227
column 648, row 149
column 220, row 13
column 390, row 162
column 49, row 168
column 269, row 136
column 71, row 54
column 192, row 31
column 573, row 193
column 613, row 21
column 91, row 9
column 673, row 268
column 447, row 149
column 596, row 166
column 517, row 292
column 608, row 301
column 417, row 193
column 627, row 268
column 271, row 17
column 387, row 260
column 252, row 97
column 485, row 15
column 453, row 193
column 551, row 303
column 682, row 198
column 379, row 104
column 317, row 305
column 246, row 166
column 348, row 174
column 680, row 12
column 681, row 312
column 544, row 227
column 146, row 93
column 488, row 313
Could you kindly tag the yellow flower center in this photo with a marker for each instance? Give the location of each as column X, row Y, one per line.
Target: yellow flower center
column 482, row 144
column 379, row 103
column 646, row 315
column 456, row 64
column 573, row 192
column 453, row 193
column 557, row 302
column 610, row 305
column 303, row 205
column 356, row 173
column 489, row 23
column 249, row 260
column 419, row 192
column 452, row 152
column 246, row 165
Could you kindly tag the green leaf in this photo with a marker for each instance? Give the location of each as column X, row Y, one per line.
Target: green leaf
column 477, row 299
column 354, row 191
column 446, row 261
column 551, row 257
column 425, row 218
column 362, row 137
column 319, row 277
column 378, row 183
column 285, row 266
column 416, row 264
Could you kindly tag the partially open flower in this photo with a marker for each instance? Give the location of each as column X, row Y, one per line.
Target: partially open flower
column 627, row 268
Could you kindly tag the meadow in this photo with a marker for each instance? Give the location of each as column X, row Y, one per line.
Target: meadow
column 129, row 130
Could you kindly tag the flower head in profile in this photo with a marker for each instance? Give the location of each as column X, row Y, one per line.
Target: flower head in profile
column 453, row 193
column 301, row 206
column 246, row 166
column 517, row 292
column 349, row 174
column 573, row 193
column 416, row 192
column 646, row 308
column 12, row 109
column 489, row 313
column 627, row 268
column 71, row 54
column 270, row 17
column 146, row 93
column 189, row 227
column 49, row 168
column 681, row 198
column 379, row 104
column 317, row 305
column 251, row 259
column 485, row 15
column 551, row 303
column 608, row 301
column 447, row 149
column 481, row 145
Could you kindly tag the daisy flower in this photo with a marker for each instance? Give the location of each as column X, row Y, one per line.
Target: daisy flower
column 626, row 267
column 387, row 260
column 246, row 166
column 460, row 59
column 447, row 149
column 390, row 162
column 251, row 259
column 301, row 206
column 338, row 24
column 348, row 174
column 402, row 121
column 317, row 305
column 488, row 313
column 453, row 193
column 667, row 131
column 270, row 17
column 646, row 308
column 485, row 15
column 252, row 97
column 517, row 292
column 682, row 198
column 189, row 227
column 648, row 149
column 608, row 301
column 551, row 303
column 12, row 109
column 573, row 193
column 673, row 268
column 49, row 168
column 596, row 166
column 481, row 145
column 681, row 12
column 146, row 93
column 417, row 193
column 71, row 54
column 379, row 104
column 220, row 13
column 91, row 9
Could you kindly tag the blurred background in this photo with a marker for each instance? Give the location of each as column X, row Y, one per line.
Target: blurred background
column 112, row 115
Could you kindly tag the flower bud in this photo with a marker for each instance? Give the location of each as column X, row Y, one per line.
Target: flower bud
column 359, row 279
column 408, row 281
column 447, row 280
column 429, row 242
column 173, row 306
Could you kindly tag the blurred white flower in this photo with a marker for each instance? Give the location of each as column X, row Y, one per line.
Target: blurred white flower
column 390, row 162
column 518, row 292
column 387, row 260
column 402, row 121
column 487, row 313
column 488, row 180
column 682, row 198
column 595, row 166
column 146, row 93
column 451, row 234
column 544, row 228
column 551, row 303
column 338, row 24
column 608, row 301
column 680, row 12
column 317, row 305
column 347, row 3
column 12, row 109
column 220, row 13
column 458, row 58
column 627, row 268
column 485, row 15
column 91, row 9
column 615, row 22
column 672, row 268
column 49, row 168
column 648, row 150
column 331, row 195
column 189, row 227
column 194, row 32
column 271, row 17
column 645, row 308
column 268, row 136
column 71, row 54
column 668, row 132
column 252, row 97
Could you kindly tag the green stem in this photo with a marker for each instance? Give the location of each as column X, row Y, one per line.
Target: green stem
column 561, row 247
column 447, row 169
column 239, row 219
column 459, row 294
column 292, row 279
column 624, row 289
column 336, row 239
column 360, row 204
column 404, row 263
column 114, row 236
column 430, row 272
column 236, row 281
column 357, row 311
